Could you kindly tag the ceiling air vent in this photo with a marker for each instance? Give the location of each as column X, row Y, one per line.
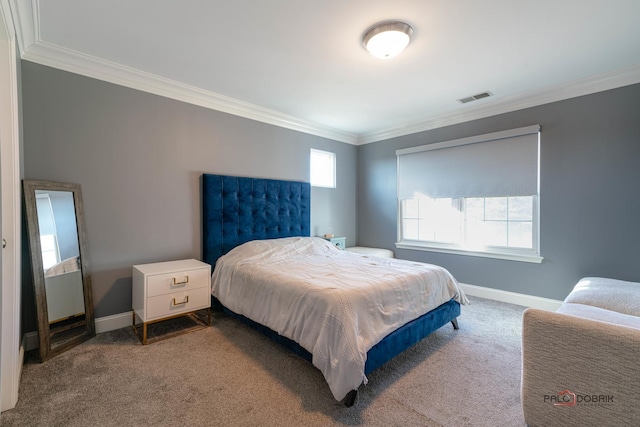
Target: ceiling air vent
column 475, row 97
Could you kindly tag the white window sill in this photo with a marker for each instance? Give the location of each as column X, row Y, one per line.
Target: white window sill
column 511, row 256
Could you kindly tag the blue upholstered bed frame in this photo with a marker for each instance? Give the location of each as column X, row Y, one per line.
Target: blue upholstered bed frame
column 236, row 210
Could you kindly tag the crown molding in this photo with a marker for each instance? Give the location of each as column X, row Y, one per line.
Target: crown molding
column 32, row 48
column 26, row 22
column 598, row 83
column 6, row 21
column 69, row 60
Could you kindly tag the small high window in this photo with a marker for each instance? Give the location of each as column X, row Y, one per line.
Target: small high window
column 323, row 168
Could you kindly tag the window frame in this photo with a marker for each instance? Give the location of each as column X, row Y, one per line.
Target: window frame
column 498, row 252
column 55, row 251
column 333, row 173
column 531, row 255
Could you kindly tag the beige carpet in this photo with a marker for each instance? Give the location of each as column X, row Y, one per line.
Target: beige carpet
column 229, row 375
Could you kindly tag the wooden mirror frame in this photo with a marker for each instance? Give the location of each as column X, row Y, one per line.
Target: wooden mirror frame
column 49, row 345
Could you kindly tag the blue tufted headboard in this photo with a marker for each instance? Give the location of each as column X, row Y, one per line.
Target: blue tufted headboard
column 236, row 210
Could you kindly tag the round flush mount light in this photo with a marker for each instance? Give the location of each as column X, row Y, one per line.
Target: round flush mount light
column 387, row 39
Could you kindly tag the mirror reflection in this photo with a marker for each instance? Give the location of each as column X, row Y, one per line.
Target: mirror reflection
column 60, row 256
column 61, row 282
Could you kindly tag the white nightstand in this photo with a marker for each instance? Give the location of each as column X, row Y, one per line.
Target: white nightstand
column 340, row 242
column 165, row 290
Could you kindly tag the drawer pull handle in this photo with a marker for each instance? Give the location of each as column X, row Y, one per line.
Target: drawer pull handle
column 184, row 281
column 186, row 300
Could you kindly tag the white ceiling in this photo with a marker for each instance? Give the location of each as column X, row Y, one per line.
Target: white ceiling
column 300, row 64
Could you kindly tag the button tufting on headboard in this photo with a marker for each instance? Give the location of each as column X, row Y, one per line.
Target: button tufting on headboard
column 236, row 210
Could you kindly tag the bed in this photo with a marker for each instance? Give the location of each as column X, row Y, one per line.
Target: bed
column 250, row 223
column 63, row 287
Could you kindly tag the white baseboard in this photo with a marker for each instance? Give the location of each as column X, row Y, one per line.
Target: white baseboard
column 30, row 341
column 113, row 322
column 123, row 320
column 511, row 297
column 23, row 349
column 103, row 324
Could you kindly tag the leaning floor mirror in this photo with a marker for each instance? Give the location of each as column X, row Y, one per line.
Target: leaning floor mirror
column 58, row 249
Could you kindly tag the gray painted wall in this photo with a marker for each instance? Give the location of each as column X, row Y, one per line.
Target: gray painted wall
column 589, row 195
column 139, row 157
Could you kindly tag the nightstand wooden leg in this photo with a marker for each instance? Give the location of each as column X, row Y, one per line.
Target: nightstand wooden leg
column 144, row 334
column 133, row 323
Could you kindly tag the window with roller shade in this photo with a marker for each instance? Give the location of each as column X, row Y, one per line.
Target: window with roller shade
column 472, row 196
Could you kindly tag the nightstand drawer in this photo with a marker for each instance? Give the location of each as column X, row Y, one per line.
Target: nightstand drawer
column 161, row 284
column 339, row 242
column 175, row 303
column 164, row 290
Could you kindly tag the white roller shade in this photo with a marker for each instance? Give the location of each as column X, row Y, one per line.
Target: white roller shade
column 493, row 165
column 46, row 223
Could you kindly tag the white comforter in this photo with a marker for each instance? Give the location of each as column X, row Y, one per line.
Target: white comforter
column 335, row 304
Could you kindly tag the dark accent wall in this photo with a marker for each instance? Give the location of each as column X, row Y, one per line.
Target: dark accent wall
column 138, row 158
column 589, row 195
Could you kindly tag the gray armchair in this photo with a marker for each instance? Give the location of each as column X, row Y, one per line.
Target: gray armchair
column 581, row 364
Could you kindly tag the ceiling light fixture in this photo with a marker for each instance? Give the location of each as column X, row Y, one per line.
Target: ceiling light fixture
column 387, row 39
